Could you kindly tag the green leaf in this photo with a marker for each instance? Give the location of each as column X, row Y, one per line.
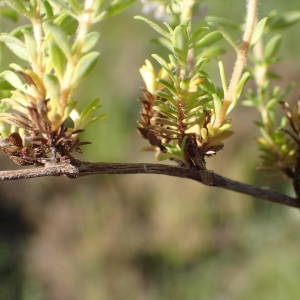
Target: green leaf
column 238, row 91
column 89, row 114
column 117, row 6
column 13, row 79
column 168, row 85
column 19, row 6
column 30, row 45
column 180, row 41
column 15, row 45
column 197, row 34
column 67, row 23
column 272, row 47
column 57, row 58
column 283, row 21
column 77, row 7
column 9, row 14
column 85, row 65
column 222, row 22
column 60, row 37
column 227, row 37
column 47, row 9
column 52, row 86
column 154, row 26
column 65, row 6
column 90, row 41
column 209, row 39
column 163, row 64
column 258, row 31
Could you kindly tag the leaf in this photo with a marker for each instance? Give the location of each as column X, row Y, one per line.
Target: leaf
column 118, row 6
column 88, row 115
column 222, row 22
column 30, row 45
column 90, row 41
column 180, row 41
column 272, row 47
column 217, row 106
column 57, row 58
column 168, row 85
column 13, row 79
column 15, row 45
column 227, row 37
column 67, row 23
column 238, row 91
column 19, row 6
column 65, row 6
column 52, row 86
column 60, row 37
column 85, row 65
column 197, row 34
column 163, row 64
column 154, row 26
column 283, row 21
column 47, row 9
column 10, row 14
column 258, row 31
column 209, row 39
column 222, row 76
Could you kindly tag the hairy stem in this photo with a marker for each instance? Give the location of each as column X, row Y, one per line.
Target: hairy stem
column 240, row 62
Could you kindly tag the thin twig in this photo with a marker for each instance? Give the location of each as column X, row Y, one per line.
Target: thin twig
column 205, row 177
column 240, row 61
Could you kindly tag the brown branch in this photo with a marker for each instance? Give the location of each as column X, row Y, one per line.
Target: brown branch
column 205, row 177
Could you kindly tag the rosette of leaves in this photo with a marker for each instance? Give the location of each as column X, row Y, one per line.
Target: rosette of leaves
column 40, row 122
column 180, row 102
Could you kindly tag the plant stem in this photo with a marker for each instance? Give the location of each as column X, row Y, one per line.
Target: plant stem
column 209, row 178
column 240, row 62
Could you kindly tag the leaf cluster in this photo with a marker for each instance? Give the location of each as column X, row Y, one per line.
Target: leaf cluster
column 55, row 51
column 181, row 102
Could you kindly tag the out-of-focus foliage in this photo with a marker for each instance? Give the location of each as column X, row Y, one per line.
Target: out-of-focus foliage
column 278, row 123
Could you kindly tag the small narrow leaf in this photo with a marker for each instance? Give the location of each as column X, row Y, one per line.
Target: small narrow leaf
column 57, row 59
column 90, row 41
column 9, row 14
column 60, row 37
column 19, row 6
column 30, row 45
column 258, row 31
column 85, row 65
column 47, row 9
column 117, row 6
column 154, row 26
column 284, row 20
column 272, row 47
column 15, row 45
column 209, row 39
column 52, row 86
column 180, row 41
column 13, row 79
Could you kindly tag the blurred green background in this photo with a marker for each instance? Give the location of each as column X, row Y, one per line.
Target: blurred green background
column 150, row 237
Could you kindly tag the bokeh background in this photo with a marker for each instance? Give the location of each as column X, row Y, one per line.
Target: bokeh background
column 149, row 237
